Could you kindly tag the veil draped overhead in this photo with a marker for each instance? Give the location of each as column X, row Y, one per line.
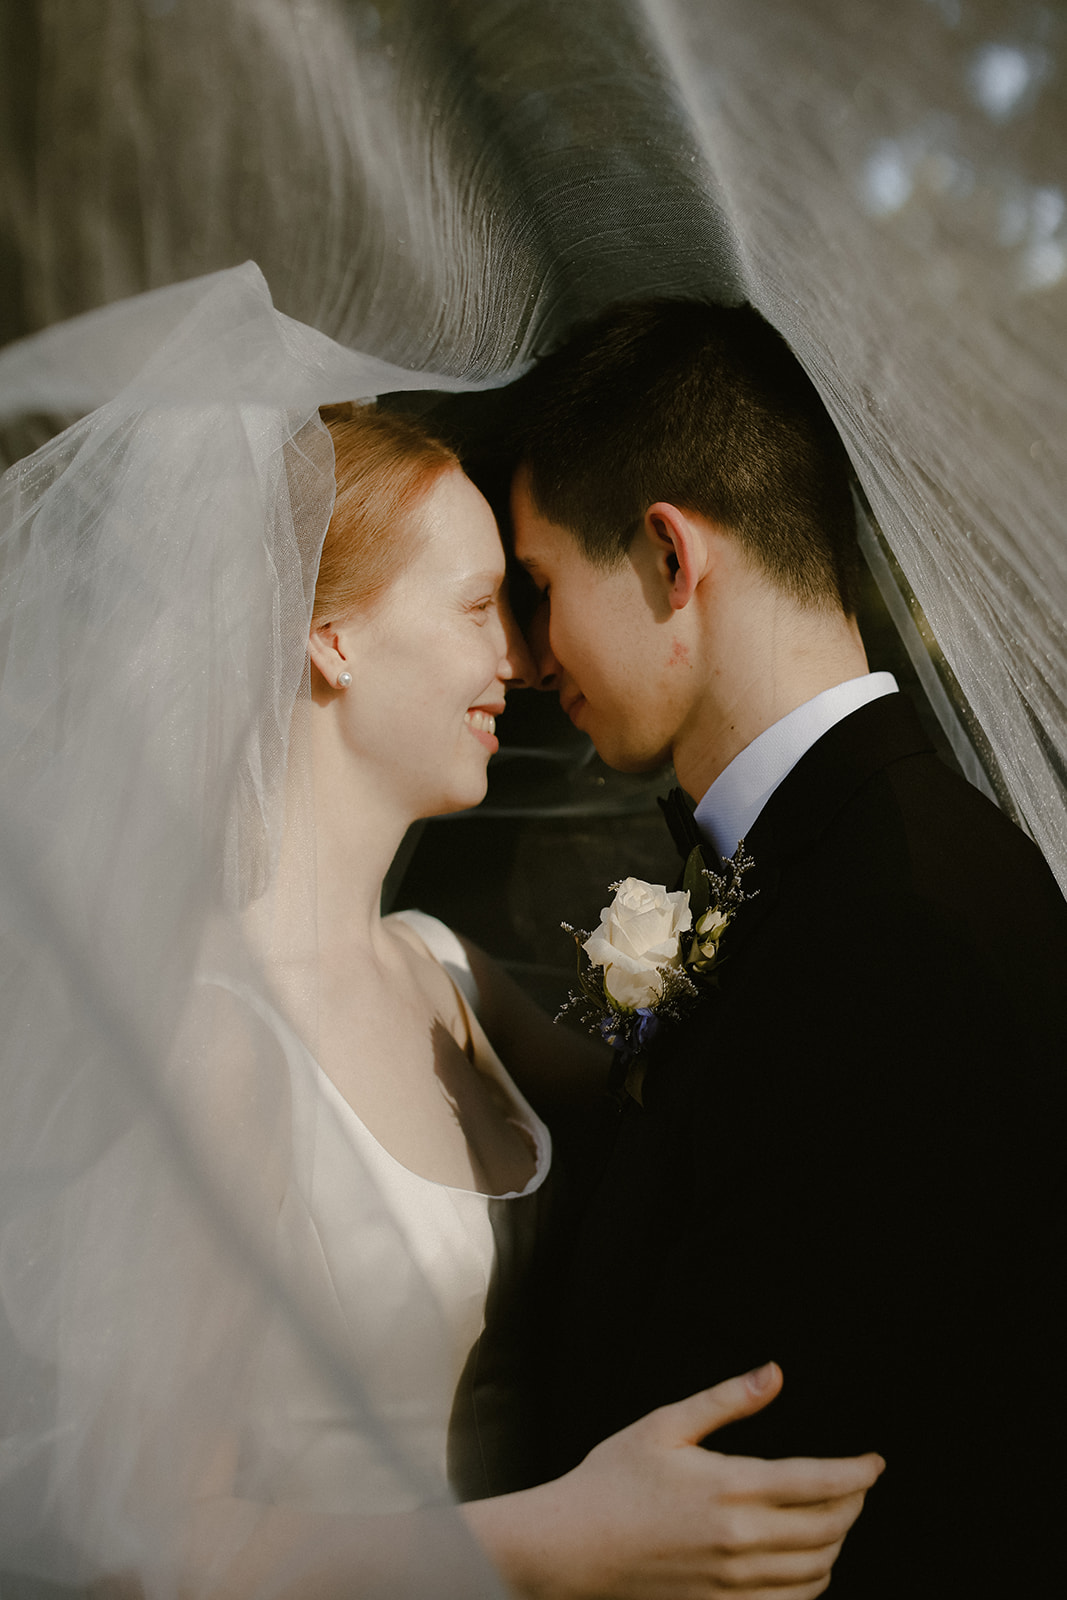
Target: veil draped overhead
column 449, row 184
column 443, row 186
column 160, row 1257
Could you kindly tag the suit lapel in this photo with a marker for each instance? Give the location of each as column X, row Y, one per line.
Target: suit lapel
column 803, row 806
column 823, row 781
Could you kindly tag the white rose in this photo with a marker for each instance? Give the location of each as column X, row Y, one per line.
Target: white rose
column 637, row 938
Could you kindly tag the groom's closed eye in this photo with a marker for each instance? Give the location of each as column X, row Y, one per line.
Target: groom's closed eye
column 526, row 593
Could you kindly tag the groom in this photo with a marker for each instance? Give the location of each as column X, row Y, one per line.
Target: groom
column 848, row 1156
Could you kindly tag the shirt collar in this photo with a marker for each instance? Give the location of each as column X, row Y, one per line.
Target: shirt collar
column 738, row 795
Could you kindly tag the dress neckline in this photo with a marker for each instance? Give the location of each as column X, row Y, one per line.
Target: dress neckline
column 536, row 1130
column 482, row 1056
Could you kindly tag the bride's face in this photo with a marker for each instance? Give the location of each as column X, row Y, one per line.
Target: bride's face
column 432, row 657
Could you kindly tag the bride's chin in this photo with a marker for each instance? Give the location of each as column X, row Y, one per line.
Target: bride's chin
column 464, row 800
column 449, row 803
column 454, row 806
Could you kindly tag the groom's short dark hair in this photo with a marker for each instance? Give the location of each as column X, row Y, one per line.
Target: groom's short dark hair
column 704, row 406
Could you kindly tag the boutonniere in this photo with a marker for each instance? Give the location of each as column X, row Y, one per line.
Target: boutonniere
column 654, row 951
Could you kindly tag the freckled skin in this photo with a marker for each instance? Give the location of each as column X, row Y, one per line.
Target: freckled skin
column 679, row 654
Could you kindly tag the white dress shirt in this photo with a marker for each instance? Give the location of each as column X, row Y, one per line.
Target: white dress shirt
column 739, row 794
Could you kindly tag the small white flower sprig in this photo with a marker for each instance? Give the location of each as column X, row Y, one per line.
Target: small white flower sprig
column 643, row 965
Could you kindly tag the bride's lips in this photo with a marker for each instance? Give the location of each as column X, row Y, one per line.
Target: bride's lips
column 481, row 720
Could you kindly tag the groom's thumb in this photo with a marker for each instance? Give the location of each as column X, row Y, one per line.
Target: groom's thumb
column 690, row 1420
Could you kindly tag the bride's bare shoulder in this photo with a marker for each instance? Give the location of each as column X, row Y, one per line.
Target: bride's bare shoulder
column 428, row 939
column 400, row 925
column 427, row 945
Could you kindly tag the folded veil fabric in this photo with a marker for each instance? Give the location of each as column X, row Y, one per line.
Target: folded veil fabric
column 450, row 183
column 445, row 186
column 157, row 568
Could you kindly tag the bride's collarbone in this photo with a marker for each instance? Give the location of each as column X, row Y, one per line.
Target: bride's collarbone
column 400, row 1053
column 405, row 1009
column 394, row 1034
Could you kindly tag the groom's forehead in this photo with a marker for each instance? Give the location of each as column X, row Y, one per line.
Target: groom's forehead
column 534, row 537
column 546, row 548
column 537, row 540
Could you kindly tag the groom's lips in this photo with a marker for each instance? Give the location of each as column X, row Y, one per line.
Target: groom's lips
column 572, row 703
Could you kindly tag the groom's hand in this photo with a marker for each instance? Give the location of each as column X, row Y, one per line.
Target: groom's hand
column 650, row 1515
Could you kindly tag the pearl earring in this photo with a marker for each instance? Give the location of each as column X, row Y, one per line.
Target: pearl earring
column 344, row 680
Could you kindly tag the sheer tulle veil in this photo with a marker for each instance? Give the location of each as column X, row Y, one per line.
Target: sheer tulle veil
column 446, row 185
column 451, row 183
column 158, row 566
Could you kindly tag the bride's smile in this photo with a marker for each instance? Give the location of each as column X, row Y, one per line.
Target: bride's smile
column 482, row 724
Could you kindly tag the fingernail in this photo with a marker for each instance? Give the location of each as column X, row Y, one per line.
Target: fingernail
column 761, row 1378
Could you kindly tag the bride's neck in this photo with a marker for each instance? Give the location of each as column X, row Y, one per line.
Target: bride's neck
column 359, row 822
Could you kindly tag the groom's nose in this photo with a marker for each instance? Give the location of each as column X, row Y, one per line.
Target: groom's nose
column 547, row 671
column 518, row 668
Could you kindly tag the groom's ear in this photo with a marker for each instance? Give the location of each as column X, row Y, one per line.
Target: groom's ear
column 680, row 551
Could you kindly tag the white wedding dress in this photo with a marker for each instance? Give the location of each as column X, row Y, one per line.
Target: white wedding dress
column 308, row 1449
column 211, row 1276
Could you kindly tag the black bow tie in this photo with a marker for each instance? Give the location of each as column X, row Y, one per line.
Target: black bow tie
column 678, row 812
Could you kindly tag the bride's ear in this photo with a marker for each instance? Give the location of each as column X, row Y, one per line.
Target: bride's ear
column 326, row 652
column 681, row 554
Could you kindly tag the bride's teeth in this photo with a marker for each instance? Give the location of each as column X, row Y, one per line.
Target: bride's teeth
column 481, row 720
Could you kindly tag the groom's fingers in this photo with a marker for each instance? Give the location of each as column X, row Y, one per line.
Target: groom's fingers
column 690, row 1420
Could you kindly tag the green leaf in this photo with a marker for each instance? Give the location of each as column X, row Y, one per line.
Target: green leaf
column 635, row 1080
column 696, row 884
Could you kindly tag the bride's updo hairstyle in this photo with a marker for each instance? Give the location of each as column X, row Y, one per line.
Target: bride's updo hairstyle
column 384, row 462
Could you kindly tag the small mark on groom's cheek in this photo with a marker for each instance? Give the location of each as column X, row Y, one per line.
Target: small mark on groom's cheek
column 679, row 654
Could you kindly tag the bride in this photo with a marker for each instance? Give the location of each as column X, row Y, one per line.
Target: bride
column 261, row 1157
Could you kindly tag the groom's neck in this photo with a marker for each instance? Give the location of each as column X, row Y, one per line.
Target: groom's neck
column 764, row 665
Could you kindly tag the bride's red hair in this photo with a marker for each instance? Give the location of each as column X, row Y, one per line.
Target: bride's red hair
column 384, row 462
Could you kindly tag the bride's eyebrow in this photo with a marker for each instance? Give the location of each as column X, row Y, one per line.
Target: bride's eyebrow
column 493, row 577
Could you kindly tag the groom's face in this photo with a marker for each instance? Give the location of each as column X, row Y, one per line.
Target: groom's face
column 598, row 641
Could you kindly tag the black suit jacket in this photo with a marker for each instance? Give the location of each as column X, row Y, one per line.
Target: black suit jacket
column 849, row 1159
